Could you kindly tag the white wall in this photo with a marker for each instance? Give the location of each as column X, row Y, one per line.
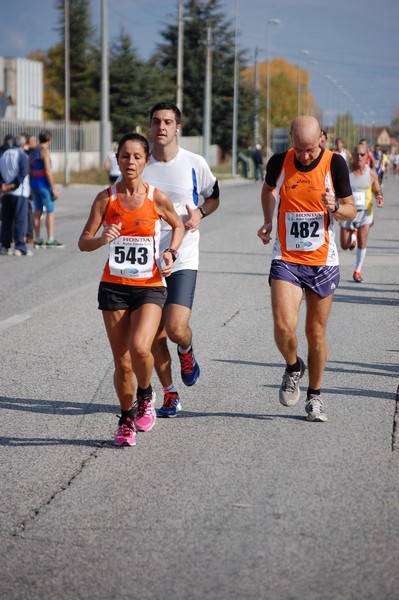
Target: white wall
column 195, row 144
column 22, row 79
column 78, row 161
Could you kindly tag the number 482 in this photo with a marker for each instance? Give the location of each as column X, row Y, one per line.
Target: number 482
column 304, row 229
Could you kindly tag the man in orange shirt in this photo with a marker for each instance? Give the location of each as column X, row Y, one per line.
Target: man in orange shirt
column 313, row 186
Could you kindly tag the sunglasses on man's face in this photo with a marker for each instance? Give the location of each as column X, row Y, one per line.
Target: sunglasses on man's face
column 360, row 154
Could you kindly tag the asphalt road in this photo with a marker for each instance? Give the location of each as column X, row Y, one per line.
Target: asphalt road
column 238, row 497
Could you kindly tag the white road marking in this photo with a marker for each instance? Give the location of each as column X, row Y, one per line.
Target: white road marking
column 15, row 320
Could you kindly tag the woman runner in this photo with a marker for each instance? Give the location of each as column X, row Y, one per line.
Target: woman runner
column 132, row 290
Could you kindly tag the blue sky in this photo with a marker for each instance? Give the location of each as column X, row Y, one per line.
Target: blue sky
column 350, row 45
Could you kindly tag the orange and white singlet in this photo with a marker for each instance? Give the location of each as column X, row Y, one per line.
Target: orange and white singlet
column 305, row 229
column 134, row 255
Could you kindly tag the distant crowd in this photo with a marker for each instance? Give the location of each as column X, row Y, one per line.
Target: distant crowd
column 382, row 162
column 27, row 192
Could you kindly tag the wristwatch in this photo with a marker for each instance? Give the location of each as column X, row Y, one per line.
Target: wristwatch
column 202, row 211
column 173, row 253
column 336, row 206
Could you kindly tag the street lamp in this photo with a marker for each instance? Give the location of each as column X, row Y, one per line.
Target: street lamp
column 325, row 104
column 305, row 53
column 180, row 52
column 311, row 63
column 256, row 124
column 269, row 22
column 105, row 132
column 206, row 139
column 67, row 91
column 334, row 105
column 180, row 45
column 235, row 100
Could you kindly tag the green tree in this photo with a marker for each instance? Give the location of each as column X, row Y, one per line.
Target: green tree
column 84, row 74
column 135, row 85
column 54, row 103
column 200, row 15
column 124, row 86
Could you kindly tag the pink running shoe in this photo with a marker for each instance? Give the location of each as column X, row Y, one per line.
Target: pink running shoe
column 126, row 435
column 145, row 414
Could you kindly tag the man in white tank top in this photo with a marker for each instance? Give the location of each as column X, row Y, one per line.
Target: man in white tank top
column 364, row 181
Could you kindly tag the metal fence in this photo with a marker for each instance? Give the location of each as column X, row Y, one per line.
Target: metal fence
column 84, row 136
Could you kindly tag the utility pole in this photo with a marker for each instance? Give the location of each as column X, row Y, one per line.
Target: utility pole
column 104, row 124
column 67, row 93
column 268, row 85
column 256, row 125
column 208, row 97
column 235, row 106
column 304, row 52
column 180, row 50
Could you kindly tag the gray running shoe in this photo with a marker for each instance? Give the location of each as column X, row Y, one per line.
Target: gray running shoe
column 289, row 391
column 315, row 408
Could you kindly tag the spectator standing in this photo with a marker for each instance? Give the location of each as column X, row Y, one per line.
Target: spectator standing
column 31, row 143
column 258, row 162
column 14, row 173
column 111, row 164
column 7, row 143
column 44, row 191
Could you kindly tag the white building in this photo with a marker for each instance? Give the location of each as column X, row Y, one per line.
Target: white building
column 21, row 87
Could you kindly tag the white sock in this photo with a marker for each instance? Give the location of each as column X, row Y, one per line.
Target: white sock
column 360, row 256
column 169, row 388
column 184, row 350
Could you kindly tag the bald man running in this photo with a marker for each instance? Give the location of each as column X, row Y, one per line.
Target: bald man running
column 309, row 185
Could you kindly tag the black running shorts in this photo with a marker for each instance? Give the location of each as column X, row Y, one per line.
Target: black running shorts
column 116, row 296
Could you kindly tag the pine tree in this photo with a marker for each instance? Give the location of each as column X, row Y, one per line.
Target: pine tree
column 124, row 86
column 135, row 85
column 199, row 16
column 84, row 74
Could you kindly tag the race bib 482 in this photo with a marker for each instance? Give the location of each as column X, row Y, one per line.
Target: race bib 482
column 304, row 231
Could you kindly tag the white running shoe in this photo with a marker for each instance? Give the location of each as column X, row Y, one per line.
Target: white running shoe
column 315, row 408
column 289, row 391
